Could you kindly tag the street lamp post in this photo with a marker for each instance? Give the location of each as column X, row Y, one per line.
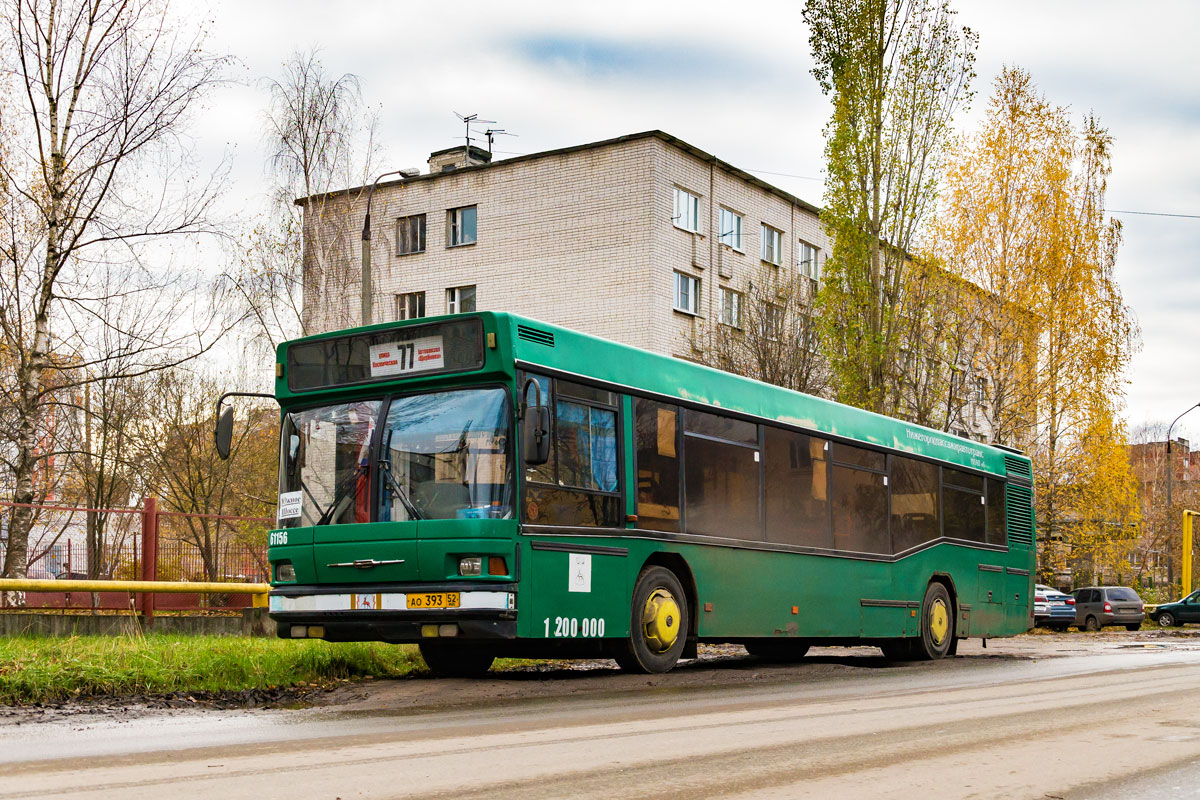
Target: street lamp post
column 367, row 313
column 1170, row 465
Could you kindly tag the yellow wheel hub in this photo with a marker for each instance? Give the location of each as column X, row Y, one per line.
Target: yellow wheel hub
column 660, row 621
column 939, row 621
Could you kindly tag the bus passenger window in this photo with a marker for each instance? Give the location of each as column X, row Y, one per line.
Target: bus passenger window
column 797, row 473
column 915, row 507
column 656, row 432
column 964, row 514
column 860, row 511
column 721, row 488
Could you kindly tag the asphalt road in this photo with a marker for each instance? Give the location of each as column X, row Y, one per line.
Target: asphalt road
column 1036, row 717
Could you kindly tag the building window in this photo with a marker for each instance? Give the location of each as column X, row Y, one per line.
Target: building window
column 687, row 293
column 772, row 321
column 808, row 260
column 460, row 226
column 810, row 337
column 687, row 211
column 731, row 308
column 410, row 235
column 410, row 306
column 731, row 229
column 460, row 300
column 772, row 245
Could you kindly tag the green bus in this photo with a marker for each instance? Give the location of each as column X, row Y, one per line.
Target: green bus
column 488, row 485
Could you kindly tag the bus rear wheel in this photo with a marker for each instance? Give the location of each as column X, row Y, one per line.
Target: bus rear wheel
column 456, row 659
column 937, row 624
column 658, row 625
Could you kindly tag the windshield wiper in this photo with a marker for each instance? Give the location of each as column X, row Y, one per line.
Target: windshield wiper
column 385, row 469
column 340, row 495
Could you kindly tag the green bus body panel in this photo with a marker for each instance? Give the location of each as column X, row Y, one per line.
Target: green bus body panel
column 750, row 592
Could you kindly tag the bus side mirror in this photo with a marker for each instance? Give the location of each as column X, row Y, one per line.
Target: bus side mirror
column 223, row 435
column 535, row 435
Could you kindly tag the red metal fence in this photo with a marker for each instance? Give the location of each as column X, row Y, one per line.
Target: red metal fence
column 142, row 544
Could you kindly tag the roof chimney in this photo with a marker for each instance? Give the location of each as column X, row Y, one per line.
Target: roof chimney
column 454, row 158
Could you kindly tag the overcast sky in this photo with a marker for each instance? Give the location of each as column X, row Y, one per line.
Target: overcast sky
column 733, row 79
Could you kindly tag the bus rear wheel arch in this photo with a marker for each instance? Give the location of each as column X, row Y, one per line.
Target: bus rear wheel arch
column 937, row 637
column 659, row 624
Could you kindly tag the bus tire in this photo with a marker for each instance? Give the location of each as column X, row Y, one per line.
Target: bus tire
column 455, row 660
column 937, row 624
column 782, row 651
column 658, row 624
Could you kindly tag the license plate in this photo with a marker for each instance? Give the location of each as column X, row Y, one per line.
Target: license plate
column 433, row 600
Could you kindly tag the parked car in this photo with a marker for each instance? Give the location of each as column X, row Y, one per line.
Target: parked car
column 1052, row 608
column 1099, row 606
column 1181, row 611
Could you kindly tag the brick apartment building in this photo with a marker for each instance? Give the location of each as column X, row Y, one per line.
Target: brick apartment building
column 634, row 239
column 644, row 239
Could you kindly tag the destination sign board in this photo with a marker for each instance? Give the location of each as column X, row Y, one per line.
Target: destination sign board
column 402, row 352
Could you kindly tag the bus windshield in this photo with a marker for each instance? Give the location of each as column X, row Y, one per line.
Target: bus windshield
column 445, row 455
column 324, row 464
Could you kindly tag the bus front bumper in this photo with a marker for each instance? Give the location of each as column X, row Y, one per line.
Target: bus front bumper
column 380, row 613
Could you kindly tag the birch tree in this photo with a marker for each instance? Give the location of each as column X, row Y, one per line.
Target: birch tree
column 1023, row 217
column 100, row 98
column 896, row 71
column 320, row 139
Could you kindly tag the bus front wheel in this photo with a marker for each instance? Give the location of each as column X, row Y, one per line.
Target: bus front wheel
column 658, row 625
column 937, row 624
column 456, row 660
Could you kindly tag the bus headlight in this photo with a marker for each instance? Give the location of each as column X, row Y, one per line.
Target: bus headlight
column 470, row 565
column 285, row 572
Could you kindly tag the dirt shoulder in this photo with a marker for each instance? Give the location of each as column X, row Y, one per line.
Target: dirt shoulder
column 717, row 666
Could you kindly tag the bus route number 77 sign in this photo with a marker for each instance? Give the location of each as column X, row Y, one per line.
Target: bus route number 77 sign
column 400, row 358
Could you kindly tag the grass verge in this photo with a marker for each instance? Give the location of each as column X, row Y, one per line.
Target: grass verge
column 53, row 669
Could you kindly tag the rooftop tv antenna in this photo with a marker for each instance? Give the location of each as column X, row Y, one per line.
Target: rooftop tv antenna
column 467, row 120
column 491, row 133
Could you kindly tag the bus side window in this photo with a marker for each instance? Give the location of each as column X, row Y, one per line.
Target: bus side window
column 916, row 514
column 860, row 501
column 657, row 436
column 722, row 480
column 797, row 494
column 963, row 508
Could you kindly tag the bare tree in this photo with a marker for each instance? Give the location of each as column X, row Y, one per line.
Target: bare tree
column 97, row 171
column 192, row 479
column 321, row 140
column 767, row 332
